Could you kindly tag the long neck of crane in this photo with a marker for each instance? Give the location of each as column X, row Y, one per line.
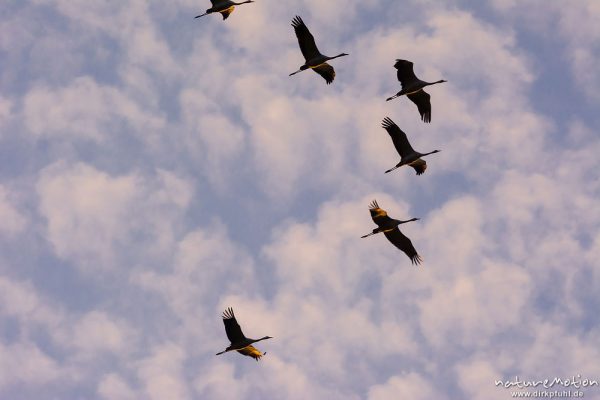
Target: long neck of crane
column 262, row 338
column 436, row 82
column 339, row 55
column 408, row 220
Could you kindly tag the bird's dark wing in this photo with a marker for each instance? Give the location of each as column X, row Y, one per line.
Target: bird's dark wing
column 398, row 239
column 213, row 2
column 251, row 351
column 405, row 72
column 378, row 215
column 227, row 12
column 421, row 99
column 419, row 165
column 232, row 328
column 305, row 39
column 399, row 138
column 326, row 71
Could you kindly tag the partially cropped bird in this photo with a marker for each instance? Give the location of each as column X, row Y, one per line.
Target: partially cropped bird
column 314, row 59
column 412, row 87
column 389, row 227
column 408, row 156
column 225, row 7
column 239, row 342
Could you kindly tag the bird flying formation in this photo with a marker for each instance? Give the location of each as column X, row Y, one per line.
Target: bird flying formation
column 412, row 87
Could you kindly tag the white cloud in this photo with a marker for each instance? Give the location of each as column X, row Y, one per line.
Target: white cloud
column 409, row 386
column 6, row 107
column 96, row 331
column 211, row 138
column 162, row 373
column 218, row 381
column 206, row 267
column 86, row 109
column 465, row 313
column 26, row 364
column 478, row 377
column 576, row 25
column 20, row 300
column 13, row 221
column 509, row 208
column 113, row 387
column 92, row 216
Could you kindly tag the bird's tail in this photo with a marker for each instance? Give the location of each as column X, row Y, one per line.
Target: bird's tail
column 392, row 98
column 367, row 235
column 294, row 73
column 220, row 353
column 201, row 15
column 391, row 169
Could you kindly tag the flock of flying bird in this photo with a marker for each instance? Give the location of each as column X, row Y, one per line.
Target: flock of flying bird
column 412, row 87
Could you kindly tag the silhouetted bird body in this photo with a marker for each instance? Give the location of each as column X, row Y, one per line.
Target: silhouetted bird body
column 408, row 156
column 389, row 227
column 313, row 57
column 225, row 7
column 239, row 342
column 412, row 87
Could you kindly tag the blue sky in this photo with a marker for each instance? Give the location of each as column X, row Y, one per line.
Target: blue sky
column 155, row 169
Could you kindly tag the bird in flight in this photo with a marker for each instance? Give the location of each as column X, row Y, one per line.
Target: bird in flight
column 239, row 342
column 225, row 7
column 314, row 59
column 408, row 156
column 412, row 87
column 389, row 227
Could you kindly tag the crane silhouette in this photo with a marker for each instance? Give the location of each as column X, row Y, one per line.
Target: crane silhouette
column 389, row 227
column 314, row 59
column 225, row 7
column 239, row 342
column 408, row 156
column 412, row 87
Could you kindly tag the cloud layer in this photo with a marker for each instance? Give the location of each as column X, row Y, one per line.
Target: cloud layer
column 157, row 169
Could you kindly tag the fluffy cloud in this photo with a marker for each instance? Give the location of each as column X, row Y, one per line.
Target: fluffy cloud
column 5, row 110
column 25, row 364
column 13, row 221
column 87, row 110
column 92, row 216
column 114, row 387
column 410, row 386
column 575, row 27
column 162, row 373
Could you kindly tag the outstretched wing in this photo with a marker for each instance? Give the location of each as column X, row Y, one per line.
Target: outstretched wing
column 232, row 328
column 378, row 215
column 305, row 39
column 225, row 13
column 326, row 71
column 419, row 165
column 405, row 72
column 398, row 239
column 251, row 351
column 422, row 100
column 399, row 138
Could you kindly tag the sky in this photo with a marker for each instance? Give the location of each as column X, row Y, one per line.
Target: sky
column 156, row 169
